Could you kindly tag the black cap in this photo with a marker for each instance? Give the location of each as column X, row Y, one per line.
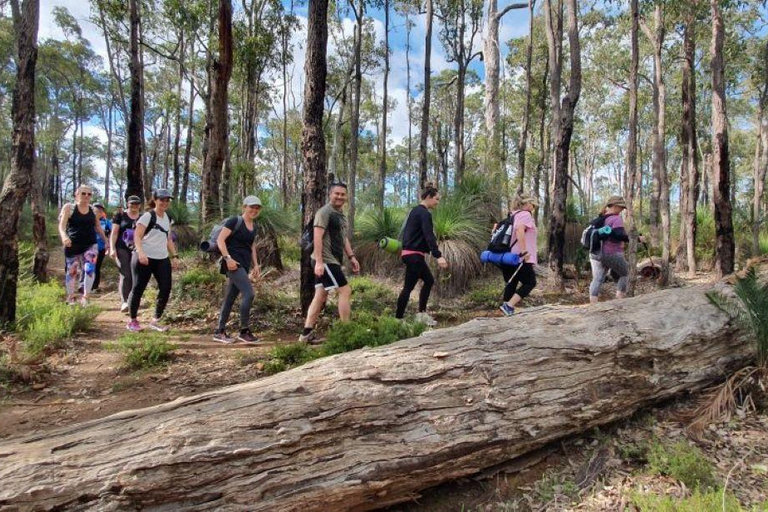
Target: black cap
column 134, row 200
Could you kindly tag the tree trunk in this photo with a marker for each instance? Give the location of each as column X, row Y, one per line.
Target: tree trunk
column 721, row 172
column 134, row 171
column 110, row 132
column 219, row 125
column 523, row 145
column 562, row 117
column 177, row 132
column 690, row 147
column 312, row 138
column 385, row 107
column 190, row 126
column 409, row 100
column 354, row 125
column 19, row 180
column 761, row 159
column 427, row 98
column 631, row 177
column 371, row 428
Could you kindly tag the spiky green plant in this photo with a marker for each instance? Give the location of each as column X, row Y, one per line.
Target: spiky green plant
column 750, row 310
column 373, row 225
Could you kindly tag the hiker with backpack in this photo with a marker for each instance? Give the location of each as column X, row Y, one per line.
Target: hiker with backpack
column 152, row 257
column 121, row 244
column 419, row 239
column 521, row 229
column 236, row 241
column 330, row 245
column 78, row 229
column 605, row 237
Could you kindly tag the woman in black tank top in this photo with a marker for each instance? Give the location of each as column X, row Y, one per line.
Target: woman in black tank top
column 78, row 228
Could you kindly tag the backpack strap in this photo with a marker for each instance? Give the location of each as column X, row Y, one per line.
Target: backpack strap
column 402, row 228
column 238, row 223
column 153, row 224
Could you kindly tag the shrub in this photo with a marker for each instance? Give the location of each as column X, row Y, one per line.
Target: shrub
column 199, row 281
column 143, row 350
column 372, row 226
column 682, row 462
column 370, row 295
column 487, row 296
column 290, row 251
column 367, row 330
column 44, row 320
column 180, row 213
column 285, row 357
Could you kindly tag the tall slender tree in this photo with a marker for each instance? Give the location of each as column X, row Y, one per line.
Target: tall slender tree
column 135, row 164
column 725, row 247
column 425, row 104
column 312, row 138
column 384, row 111
column 19, row 180
column 631, row 166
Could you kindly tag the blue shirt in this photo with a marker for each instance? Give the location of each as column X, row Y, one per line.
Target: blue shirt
column 106, row 225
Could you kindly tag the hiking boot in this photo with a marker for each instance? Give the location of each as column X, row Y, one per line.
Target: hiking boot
column 223, row 337
column 247, row 337
column 134, row 326
column 507, row 309
column 310, row 337
column 426, row 319
column 124, row 307
column 157, row 326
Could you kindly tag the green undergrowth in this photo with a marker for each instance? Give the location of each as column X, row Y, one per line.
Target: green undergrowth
column 682, row 462
column 698, row 501
column 143, row 351
column 365, row 330
column 370, row 295
column 44, row 320
column 488, row 295
column 200, row 282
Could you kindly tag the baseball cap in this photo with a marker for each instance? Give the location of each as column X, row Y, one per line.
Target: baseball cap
column 251, row 201
column 161, row 193
column 134, row 200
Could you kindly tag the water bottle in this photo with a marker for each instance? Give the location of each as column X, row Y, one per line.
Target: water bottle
column 507, row 236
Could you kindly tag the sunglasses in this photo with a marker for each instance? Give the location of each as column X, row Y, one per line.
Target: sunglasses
column 89, row 194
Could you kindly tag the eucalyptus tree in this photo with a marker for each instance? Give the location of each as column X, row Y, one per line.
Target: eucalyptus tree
column 17, row 184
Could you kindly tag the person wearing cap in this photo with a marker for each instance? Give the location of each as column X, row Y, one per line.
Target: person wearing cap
column 237, row 244
column 78, row 229
column 120, row 252
column 106, row 225
column 521, row 279
column 611, row 256
column 154, row 248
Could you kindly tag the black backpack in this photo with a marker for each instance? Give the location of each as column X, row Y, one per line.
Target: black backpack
column 590, row 238
column 502, row 234
column 154, row 225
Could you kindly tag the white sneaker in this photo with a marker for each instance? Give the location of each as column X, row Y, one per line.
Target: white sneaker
column 426, row 319
column 124, row 307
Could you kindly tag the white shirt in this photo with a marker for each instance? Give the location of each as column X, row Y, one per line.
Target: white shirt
column 155, row 242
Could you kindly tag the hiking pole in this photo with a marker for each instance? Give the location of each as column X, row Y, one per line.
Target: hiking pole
column 522, row 262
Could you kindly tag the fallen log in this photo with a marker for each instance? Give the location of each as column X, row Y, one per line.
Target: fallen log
column 373, row 427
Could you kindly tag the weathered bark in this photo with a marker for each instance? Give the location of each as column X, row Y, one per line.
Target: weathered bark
column 562, row 128
column 134, row 165
column 312, row 138
column 373, row 427
column 631, row 178
column 425, row 104
column 660, row 189
column 761, row 159
column 721, row 172
column 19, row 180
column 354, row 122
column 219, row 127
column 190, row 126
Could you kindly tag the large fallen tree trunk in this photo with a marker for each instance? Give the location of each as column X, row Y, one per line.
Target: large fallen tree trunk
column 373, row 427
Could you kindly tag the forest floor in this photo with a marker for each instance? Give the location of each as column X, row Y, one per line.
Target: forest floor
column 606, row 469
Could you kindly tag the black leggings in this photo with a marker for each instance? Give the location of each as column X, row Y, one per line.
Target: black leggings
column 161, row 269
column 525, row 279
column 415, row 268
column 99, row 263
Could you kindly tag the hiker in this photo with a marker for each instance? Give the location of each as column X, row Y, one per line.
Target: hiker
column 521, row 279
column 610, row 257
column 418, row 240
column 154, row 248
column 237, row 244
column 106, row 226
column 330, row 246
column 121, row 253
column 78, row 228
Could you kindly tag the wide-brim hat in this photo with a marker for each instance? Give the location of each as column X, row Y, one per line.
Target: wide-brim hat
column 616, row 201
column 251, row 201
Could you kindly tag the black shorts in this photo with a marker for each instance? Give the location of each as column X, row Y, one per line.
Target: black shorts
column 333, row 277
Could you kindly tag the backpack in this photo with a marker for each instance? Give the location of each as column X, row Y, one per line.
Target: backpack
column 502, row 234
column 154, row 225
column 307, row 239
column 211, row 245
column 591, row 239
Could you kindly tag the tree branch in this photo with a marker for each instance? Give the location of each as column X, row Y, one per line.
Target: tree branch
column 508, row 8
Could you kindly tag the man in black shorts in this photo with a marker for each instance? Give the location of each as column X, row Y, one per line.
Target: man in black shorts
column 330, row 246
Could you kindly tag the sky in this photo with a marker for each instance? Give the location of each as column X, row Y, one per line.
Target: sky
column 514, row 24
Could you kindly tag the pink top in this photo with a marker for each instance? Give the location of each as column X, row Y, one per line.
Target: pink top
column 406, row 252
column 612, row 246
column 525, row 218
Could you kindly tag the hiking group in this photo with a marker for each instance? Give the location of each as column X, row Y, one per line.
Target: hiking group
column 142, row 247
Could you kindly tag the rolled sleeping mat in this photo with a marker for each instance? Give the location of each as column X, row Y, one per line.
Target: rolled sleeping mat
column 391, row 245
column 508, row 259
column 205, row 246
column 605, row 230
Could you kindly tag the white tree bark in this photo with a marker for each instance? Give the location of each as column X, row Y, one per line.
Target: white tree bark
column 373, row 427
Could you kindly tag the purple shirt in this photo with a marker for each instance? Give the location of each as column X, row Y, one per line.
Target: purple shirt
column 524, row 218
column 611, row 246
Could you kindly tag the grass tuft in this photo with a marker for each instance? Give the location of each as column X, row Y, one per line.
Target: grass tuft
column 682, row 462
column 142, row 351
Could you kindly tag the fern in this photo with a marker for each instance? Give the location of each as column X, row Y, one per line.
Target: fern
column 750, row 311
